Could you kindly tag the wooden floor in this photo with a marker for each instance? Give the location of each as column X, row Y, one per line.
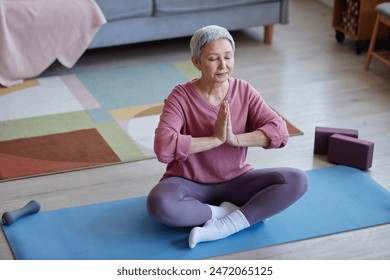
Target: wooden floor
column 305, row 75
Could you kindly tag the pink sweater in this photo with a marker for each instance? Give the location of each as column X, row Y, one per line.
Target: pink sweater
column 187, row 114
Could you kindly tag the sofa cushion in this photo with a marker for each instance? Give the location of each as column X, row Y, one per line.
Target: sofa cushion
column 171, row 7
column 120, row 9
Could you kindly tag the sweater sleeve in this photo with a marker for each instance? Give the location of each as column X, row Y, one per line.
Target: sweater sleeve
column 169, row 141
column 263, row 118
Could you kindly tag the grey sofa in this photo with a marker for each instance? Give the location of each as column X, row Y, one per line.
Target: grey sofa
column 135, row 21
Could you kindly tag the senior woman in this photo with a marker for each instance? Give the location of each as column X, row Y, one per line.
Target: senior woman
column 205, row 129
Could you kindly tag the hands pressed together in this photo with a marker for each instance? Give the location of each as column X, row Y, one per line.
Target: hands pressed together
column 223, row 133
column 223, row 129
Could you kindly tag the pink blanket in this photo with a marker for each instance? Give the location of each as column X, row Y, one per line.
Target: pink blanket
column 34, row 33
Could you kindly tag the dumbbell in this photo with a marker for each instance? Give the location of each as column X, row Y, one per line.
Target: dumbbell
column 10, row 217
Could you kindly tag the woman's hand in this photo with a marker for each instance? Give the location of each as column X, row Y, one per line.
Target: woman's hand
column 220, row 131
column 231, row 138
column 223, row 133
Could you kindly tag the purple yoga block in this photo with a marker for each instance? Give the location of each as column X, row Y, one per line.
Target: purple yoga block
column 350, row 151
column 322, row 134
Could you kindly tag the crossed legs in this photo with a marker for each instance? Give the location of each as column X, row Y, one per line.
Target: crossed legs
column 257, row 195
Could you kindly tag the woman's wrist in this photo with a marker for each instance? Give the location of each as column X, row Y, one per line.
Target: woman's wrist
column 217, row 141
column 237, row 141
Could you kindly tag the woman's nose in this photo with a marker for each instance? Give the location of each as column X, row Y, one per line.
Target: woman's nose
column 222, row 63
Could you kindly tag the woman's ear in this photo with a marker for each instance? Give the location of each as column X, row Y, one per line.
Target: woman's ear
column 196, row 63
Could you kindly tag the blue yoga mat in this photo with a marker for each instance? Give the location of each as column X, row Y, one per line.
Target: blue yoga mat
column 339, row 199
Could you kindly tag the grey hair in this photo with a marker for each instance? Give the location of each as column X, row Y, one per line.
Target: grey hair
column 207, row 34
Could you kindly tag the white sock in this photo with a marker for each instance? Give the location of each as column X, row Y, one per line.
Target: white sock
column 221, row 211
column 215, row 229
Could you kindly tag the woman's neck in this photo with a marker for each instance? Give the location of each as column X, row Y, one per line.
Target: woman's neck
column 213, row 93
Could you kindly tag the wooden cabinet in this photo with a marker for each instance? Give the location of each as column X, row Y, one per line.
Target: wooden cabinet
column 355, row 19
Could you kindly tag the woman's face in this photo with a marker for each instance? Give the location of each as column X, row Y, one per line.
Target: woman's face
column 216, row 61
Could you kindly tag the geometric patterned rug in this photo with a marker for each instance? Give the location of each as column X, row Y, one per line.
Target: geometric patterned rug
column 68, row 122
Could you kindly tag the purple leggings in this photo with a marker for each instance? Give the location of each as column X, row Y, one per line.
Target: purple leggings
column 260, row 193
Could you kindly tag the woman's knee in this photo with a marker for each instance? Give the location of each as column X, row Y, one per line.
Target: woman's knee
column 153, row 204
column 298, row 180
column 159, row 206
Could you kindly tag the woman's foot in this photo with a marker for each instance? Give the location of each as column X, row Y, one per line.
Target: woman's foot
column 221, row 211
column 216, row 229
